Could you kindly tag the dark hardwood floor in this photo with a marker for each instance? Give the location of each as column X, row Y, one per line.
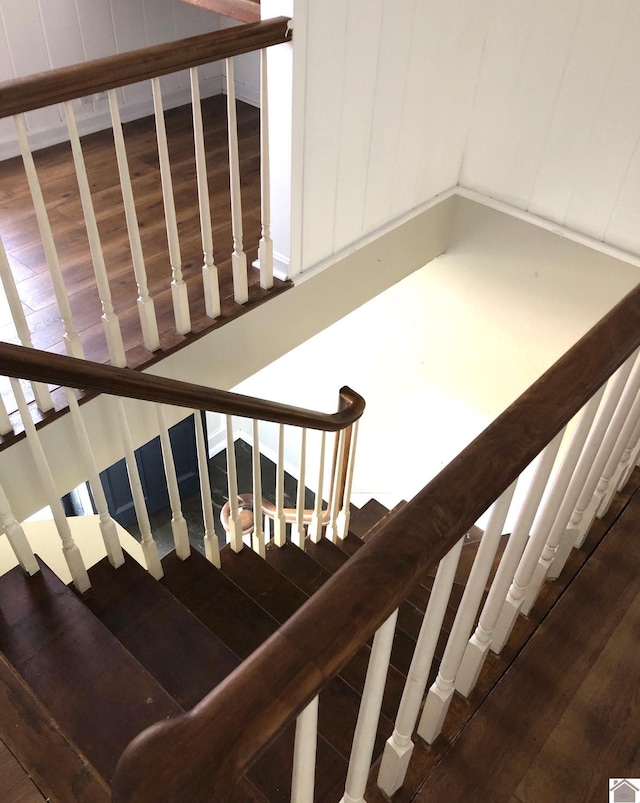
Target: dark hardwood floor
column 21, row 238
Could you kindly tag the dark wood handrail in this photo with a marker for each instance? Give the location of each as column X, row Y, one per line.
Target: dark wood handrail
column 200, row 756
column 43, row 89
column 56, row 369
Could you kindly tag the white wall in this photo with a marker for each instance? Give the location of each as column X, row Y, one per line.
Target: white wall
column 39, row 35
column 556, row 123
column 382, row 115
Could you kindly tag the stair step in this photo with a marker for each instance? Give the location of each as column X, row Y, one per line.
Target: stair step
column 362, row 519
column 183, row 655
column 99, row 695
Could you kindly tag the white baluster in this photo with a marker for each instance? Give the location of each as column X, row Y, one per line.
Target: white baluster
column 345, row 513
column 564, row 533
column 315, row 528
column 297, row 531
column 110, row 321
column 614, row 468
column 588, row 501
column 335, row 502
column 367, row 725
column 40, row 391
column 178, row 287
column 515, row 595
column 235, row 525
column 70, row 550
column 560, row 504
column 108, row 528
column 149, row 546
column 70, row 336
column 209, row 269
column 265, row 246
column 304, row 754
column 238, row 257
column 211, row 546
column 629, row 458
column 178, row 523
column 279, row 523
column 441, row 692
column 146, row 309
column 399, row 746
column 6, row 427
column 16, row 537
column 258, row 532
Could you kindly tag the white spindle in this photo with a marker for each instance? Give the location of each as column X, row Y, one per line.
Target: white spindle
column 235, row 525
column 146, row 309
column 211, row 546
column 297, row 532
column 345, row 512
column 555, row 520
column 399, row 746
column 70, row 336
column 629, row 458
column 108, row 528
column 70, row 550
column 335, row 502
column 515, row 595
column 571, row 535
column 6, row 427
column 178, row 523
column 315, row 528
column 238, row 257
column 441, row 692
column 149, row 546
column 258, row 532
column 110, row 321
column 367, row 725
column 209, row 269
column 279, row 523
column 304, row 755
column 265, row 246
column 16, row 537
column 178, row 286
column 40, row 391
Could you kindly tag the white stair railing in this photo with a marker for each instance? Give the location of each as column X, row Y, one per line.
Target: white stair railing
column 6, row 427
column 178, row 521
column 16, row 536
column 304, row 755
column 265, row 246
column 211, row 546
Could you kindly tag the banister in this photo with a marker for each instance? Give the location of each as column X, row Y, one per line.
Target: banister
column 57, row 369
column 222, row 735
column 66, row 83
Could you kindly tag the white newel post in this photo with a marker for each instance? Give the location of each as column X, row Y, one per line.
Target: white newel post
column 149, row 546
column 399, row 746
column 238, row 257
column 110, row 321
column 211, row 545
column 367, row 725
column 279, row 523
column 178, row 286
column 70, row 550
column 70, row 336
column 561, row 503
column 441, row 692
column 146, row 309
column 16, row 537
column 304, row 754
column 178, row 522
column 515, row 594
column 315, row 528
column 265, row 246
column 258, row 531
column 40, row 391
column 107, row 525
column 297, row 531
column 209, row 268
column 235, row 525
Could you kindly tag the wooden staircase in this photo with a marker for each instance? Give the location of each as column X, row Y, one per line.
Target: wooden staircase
column 97, row 669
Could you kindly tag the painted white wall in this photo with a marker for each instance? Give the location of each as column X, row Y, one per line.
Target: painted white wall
column 39, row 35
column 555, row 128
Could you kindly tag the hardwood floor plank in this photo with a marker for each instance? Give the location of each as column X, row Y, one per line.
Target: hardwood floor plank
column 15, row 784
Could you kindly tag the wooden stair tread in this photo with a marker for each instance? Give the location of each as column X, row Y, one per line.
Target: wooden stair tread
column 141, row 614
column 364, row 518
column 96, row 691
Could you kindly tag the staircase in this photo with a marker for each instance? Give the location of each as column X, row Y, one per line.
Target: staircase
column 102, row 666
